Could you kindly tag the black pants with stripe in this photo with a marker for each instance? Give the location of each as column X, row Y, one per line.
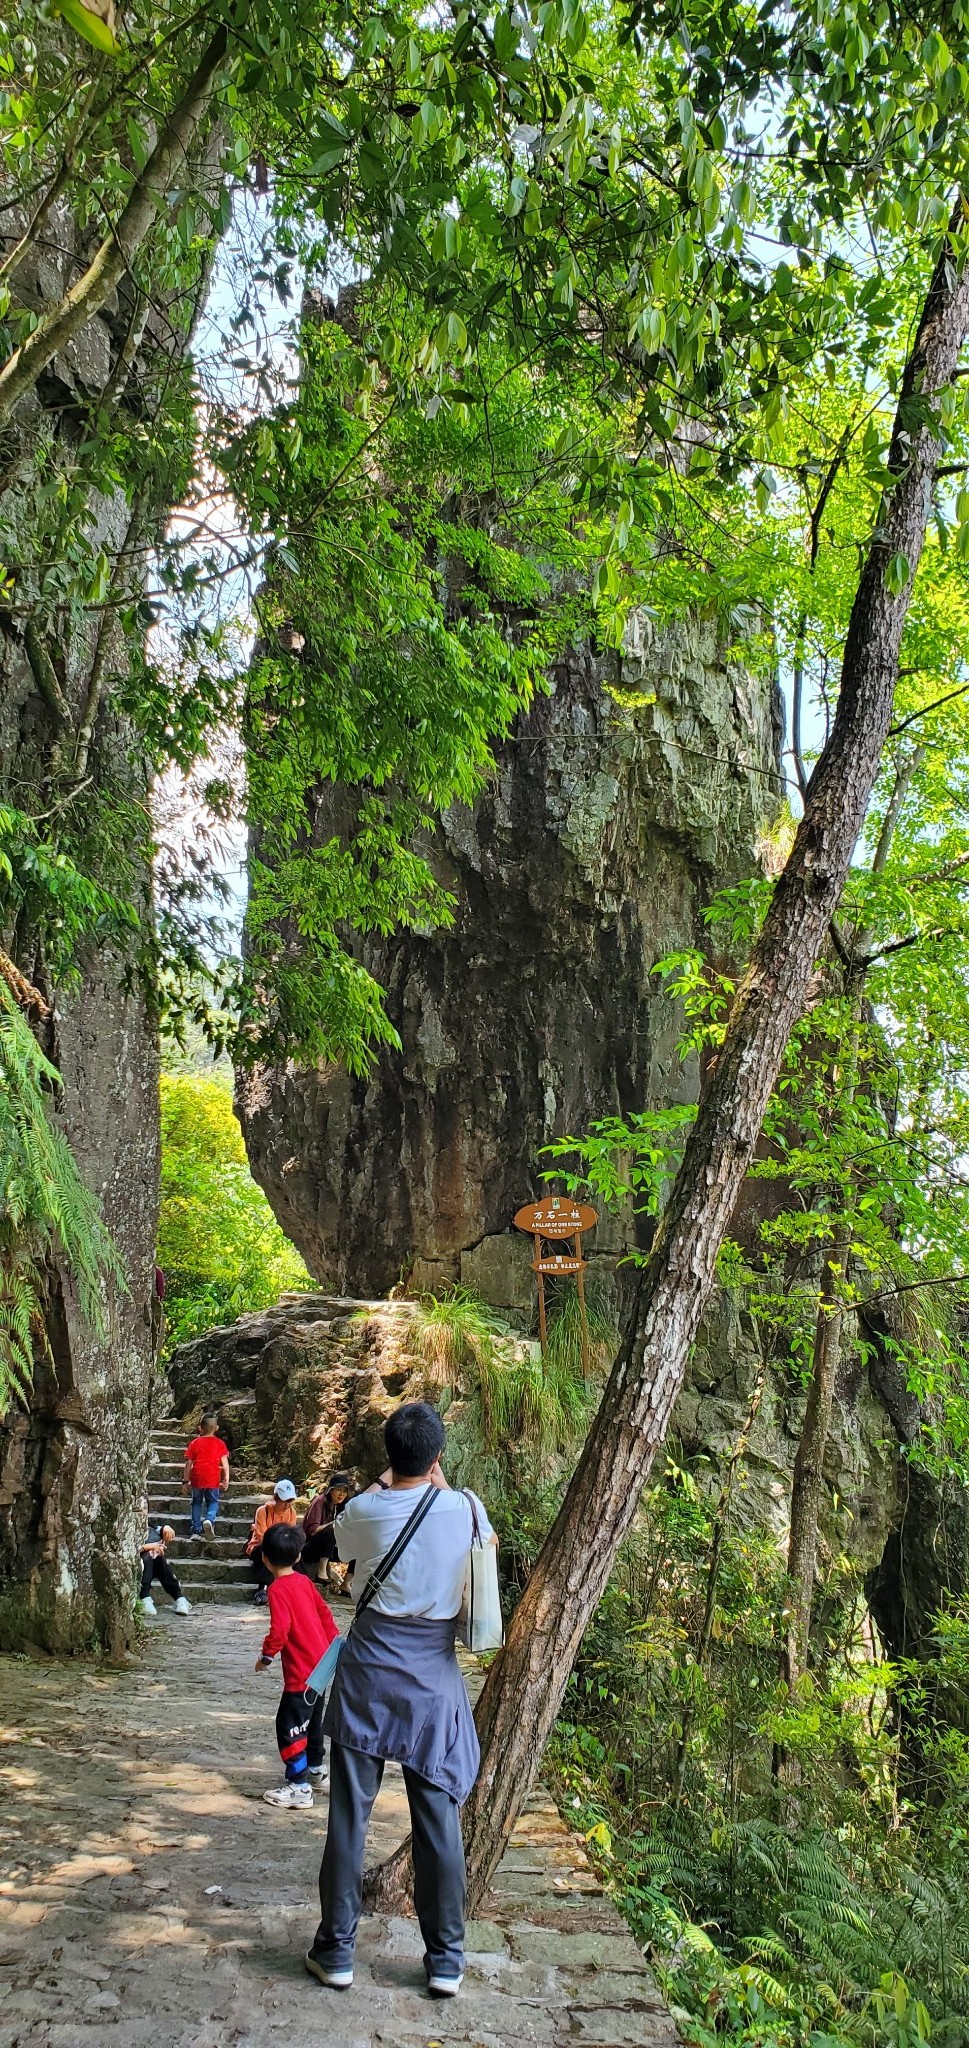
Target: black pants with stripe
column 299, row 1733
column 160, row 1569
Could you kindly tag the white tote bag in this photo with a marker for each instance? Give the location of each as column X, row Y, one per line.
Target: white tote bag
column 480, row 1624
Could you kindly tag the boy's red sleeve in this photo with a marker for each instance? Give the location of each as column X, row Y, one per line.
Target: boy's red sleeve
column 279, row 1623
column 328, row 1618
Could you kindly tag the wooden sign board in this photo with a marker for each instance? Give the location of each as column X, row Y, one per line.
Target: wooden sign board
column 548, row 1222
column 558, row 1216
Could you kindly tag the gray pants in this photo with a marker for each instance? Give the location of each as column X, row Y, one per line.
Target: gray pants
column 439, row 1883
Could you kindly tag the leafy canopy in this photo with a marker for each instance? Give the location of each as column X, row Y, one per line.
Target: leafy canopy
column 219, row 1246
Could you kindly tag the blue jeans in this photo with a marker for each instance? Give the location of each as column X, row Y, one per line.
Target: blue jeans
column 205, row 1506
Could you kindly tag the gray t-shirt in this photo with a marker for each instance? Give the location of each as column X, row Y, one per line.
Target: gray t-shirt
column 427, row 1583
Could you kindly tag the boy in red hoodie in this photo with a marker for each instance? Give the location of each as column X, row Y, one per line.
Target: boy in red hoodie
column 301, row 1627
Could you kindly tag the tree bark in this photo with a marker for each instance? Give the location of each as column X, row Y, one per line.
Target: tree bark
column 107, row 268
column 809, row 1464
column 524, row 1688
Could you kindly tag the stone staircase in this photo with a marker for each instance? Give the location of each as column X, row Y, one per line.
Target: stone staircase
column 215, row 1570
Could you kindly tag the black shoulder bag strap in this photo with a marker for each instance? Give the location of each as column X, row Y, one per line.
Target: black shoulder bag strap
column 383, row 1570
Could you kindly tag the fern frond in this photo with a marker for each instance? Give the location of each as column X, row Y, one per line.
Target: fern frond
column 45, row 1208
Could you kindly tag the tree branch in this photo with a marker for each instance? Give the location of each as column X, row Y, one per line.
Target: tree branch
column 104, row 273
column 904, row 723
column 12, row 262
column 44, row 673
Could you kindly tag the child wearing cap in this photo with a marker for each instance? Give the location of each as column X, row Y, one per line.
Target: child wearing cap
column 278, row 1510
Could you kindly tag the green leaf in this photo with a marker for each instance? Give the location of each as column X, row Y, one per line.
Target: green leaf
column 90, row 26
column 897, row 575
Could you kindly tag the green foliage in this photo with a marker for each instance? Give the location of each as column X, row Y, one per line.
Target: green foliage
column 613, row 347
column 829, row 1910
column 419, row 636
column 514, row 1420
column 219, row 1246
column 46, row 1212
column 519, row 1409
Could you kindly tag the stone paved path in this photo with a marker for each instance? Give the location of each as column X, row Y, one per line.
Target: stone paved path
column 148, row 1899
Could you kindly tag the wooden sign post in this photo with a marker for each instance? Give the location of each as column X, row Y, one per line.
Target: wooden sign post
column 548, row 1222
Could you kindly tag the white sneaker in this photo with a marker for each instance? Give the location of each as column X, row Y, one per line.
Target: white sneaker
column 319, row 1774
column 147, row 1606
column 337, row 1980
column 290, row 1795
column 445, row 1987
column 207, row 1530
column 183, row 1606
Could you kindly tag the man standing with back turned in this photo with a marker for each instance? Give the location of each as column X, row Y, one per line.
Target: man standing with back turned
column 399, row 1696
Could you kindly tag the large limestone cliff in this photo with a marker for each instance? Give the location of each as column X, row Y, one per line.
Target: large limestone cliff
column 597, row 846
column 602, row 838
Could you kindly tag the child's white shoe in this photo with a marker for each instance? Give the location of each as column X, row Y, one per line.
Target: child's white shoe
column 147, row 1606
column 183, row 1606
column 290, row 1795
column 319, row 1774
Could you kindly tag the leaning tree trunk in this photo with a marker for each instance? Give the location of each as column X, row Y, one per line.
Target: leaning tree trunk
column 521, row 1696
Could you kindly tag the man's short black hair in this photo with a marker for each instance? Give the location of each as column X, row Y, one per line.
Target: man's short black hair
column 414, row 1436
column 282, row 1543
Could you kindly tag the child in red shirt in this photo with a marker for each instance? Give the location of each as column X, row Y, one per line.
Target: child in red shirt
column 206, row 1470
column 301, row 1627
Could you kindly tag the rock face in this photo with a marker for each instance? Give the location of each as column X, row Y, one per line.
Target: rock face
column 322, row 1374
column 72, row 1465
column 319, row 1374
column 595, row 850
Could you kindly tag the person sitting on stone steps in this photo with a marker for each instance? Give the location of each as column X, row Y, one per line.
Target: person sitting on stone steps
column 273, row 1512
column 155, row 1565
column 398, row 1694
column 301, row 1629
column 320, row 1532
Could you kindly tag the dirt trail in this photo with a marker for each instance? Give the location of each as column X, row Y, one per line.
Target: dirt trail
column 148, row 1896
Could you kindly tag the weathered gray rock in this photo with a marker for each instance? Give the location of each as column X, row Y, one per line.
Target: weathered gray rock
column 321, row 1373
column 601, row 839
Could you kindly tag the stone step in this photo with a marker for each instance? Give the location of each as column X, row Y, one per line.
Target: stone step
column 240, row 1496
column 229, row 1571
column 168, row 1471
column 228, row 1545
column 232, row 1530
column 206, row 1592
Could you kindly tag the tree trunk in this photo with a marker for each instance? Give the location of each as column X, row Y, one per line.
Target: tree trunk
column 73, row 1458
column 809, row 1464
column 521, row 1697
column 720, row 1527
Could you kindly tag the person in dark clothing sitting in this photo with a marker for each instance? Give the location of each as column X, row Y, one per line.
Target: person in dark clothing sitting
column 155, row 1565
column 318, row 1529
